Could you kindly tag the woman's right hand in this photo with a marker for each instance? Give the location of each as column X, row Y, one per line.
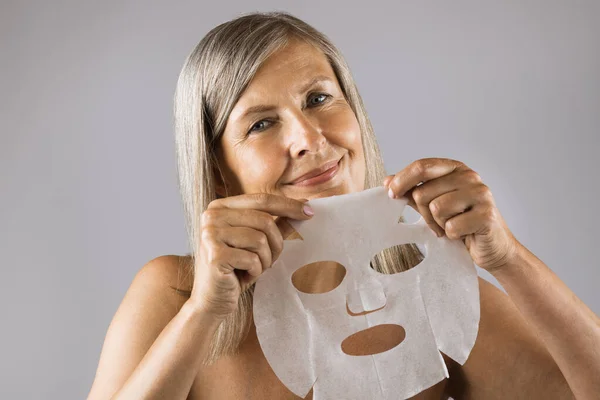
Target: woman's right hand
column 240, row 239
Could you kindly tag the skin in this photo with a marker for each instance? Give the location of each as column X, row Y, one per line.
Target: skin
column 527, row 343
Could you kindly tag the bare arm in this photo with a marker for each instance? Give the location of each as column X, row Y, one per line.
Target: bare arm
column 168, row 369
column 155, row 344
column 454, row 201
column 568, row 328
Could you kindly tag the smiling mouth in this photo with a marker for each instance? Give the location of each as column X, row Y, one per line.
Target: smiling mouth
column 374, row 340
column 323, row 177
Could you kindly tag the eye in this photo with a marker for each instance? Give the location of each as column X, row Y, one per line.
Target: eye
column 322, row 96
column 259, row 126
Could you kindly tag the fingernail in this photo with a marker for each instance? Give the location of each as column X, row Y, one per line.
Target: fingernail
column 391, row 193
column 308, row 211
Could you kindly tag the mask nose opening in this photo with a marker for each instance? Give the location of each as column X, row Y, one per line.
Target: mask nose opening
column 368, row 297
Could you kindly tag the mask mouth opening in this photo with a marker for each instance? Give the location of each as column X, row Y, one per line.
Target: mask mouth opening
column 374, row 340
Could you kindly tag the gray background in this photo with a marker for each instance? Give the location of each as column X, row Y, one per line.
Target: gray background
column 87, row 160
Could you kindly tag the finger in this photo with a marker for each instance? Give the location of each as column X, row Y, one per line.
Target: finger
column 248, row 239
column 286, row 229
column 387, row 180
column 421, row 171
column 231, row 259
column 422, row 208
column 246, row 279
column 430, row 201
column 449, row 205
column 470, row 222
column 249, row 218
column 273, row 204
column 434, row 188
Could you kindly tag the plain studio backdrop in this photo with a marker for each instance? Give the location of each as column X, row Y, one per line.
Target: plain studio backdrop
column 87, row 158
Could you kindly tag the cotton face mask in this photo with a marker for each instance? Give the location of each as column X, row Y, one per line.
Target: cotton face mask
column 306, row 330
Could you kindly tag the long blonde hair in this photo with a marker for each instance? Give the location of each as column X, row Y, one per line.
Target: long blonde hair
column 212, row 79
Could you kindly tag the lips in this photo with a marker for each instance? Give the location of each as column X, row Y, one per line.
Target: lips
column 326, row 169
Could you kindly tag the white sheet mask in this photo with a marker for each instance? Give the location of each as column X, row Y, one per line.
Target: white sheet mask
column 436, row 302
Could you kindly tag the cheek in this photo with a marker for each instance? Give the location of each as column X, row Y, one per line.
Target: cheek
column 344, row 129
column 260, row 167
column 345, row 132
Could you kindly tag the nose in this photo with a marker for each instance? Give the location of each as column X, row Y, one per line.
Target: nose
column 367, row 296
column 305, row 136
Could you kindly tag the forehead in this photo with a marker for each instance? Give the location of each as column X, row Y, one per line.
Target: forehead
column 289, row 68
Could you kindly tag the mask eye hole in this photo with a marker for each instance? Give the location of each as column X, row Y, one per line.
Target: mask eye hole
column 318, row 277
column 410, row 256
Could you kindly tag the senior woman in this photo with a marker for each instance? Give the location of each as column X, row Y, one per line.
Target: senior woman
column 268, row 117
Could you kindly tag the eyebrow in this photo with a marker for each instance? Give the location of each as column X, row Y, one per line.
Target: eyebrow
column 264, row 108
column 314, row 81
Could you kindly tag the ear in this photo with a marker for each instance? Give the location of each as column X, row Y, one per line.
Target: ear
column 218, row 176
column 220, row 186
column 225, row 181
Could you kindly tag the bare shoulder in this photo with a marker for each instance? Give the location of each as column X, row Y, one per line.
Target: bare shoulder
column 509, row 360
column 164, row 280
column 171, row 272
column 149, row 304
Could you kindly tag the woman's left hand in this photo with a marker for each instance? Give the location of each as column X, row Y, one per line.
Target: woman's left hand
column 453, row 200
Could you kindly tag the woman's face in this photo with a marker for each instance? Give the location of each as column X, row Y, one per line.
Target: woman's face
column 292, row 119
